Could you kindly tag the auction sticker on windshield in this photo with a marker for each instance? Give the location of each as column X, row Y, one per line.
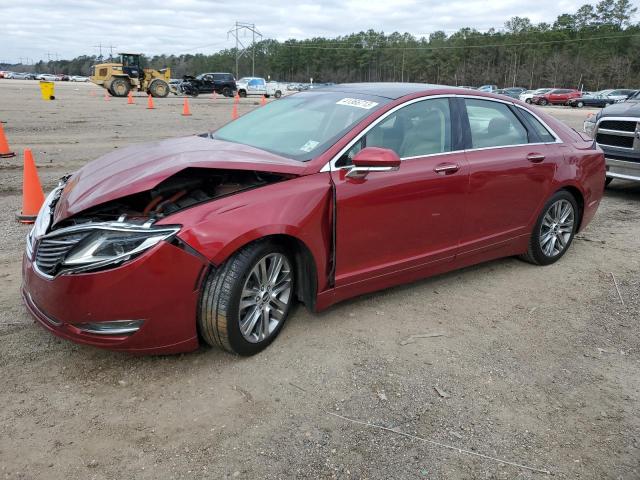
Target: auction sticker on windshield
column 356, row 102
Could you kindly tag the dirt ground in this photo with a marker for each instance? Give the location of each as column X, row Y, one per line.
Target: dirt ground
column 537, row 366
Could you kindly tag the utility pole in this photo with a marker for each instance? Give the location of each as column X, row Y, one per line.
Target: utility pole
column 235, row 32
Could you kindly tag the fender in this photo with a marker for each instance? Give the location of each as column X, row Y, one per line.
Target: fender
column 299, row 208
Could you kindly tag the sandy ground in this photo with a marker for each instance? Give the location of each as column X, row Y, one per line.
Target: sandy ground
column 536, row 366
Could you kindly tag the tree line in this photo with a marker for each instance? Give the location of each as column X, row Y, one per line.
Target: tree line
column 596, row 47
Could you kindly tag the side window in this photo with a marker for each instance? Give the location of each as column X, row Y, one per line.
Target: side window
column 493, row 124
column 540, row 129
column 419, row 129
column 218, row 78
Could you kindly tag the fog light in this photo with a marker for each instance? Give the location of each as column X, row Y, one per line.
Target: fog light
column 117, row 327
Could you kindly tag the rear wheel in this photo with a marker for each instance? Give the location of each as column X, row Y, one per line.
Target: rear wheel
column 278, row 94
column 554, row 230
column 580, row 104
column 242, row 93
column 543, row 102
column 226, row 91
column 159, row 88
column 120, row 87
column 245, row 302
column 528, row 100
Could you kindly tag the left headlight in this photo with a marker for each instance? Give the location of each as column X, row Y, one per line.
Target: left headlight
column 105, row 246
column 589, row 126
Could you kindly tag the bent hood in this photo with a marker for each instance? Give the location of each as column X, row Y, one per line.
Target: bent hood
column 139, row 168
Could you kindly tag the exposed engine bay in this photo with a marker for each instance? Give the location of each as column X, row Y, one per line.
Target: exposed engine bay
column 185, row 189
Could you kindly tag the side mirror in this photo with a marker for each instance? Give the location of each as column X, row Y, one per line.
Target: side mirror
column 373, row 159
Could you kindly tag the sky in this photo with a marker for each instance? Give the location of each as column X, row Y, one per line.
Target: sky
column 41, row 29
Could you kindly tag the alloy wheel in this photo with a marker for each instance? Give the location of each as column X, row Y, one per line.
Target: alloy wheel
column 265, row 297
column 557, row 228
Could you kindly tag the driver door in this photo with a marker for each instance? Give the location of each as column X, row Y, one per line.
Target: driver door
column 398, row 225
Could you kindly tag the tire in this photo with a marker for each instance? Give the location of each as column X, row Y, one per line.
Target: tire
column 242, row 93
column 224, row 322
column 546, row 253
column 278, row 94
column 543, row 102
column 607, row 181
column 159, row 89
column 528, row 100
column 226, row 91
column 580, row 104
column 120, row 87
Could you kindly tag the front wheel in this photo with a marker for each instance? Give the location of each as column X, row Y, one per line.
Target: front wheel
column 554, row 231
column 159, row 88
column 528, row 100
column 245, row 302
column 278, row 94
column 120, row 87
column 242, row 93
column 580, row 104
column 543, row 102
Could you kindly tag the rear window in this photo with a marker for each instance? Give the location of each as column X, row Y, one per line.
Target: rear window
column 540, row 129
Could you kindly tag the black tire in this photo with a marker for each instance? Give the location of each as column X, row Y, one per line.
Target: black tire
column 580, row 104
column 120, row 87
column 226, row 91
column 278, row 94
column 242, row 93
column 528, row 100
column 607, row 181
column 543, row 102
column 219, row 311
column 535, row 254
column 159, row 89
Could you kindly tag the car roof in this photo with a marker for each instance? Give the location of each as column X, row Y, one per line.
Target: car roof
column 389, row 90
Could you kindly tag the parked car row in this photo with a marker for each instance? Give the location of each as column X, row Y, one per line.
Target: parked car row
column 43, row 76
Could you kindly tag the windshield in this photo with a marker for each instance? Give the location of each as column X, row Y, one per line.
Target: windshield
column 303, row 125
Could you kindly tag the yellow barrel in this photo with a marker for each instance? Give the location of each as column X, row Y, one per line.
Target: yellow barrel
column 46, row 89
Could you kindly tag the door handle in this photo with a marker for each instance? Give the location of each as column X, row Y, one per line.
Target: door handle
column 446, row 168
column 535, row 157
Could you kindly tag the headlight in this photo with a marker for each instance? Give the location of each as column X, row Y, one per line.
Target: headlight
column 589, row 126
column 105, row 245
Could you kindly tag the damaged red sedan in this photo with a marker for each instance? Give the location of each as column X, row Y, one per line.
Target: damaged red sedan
column 321, row 196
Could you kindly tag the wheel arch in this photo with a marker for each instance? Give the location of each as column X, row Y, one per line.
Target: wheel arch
column 578, row 196
column 305, row 263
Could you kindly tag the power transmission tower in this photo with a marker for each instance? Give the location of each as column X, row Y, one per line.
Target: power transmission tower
column 100, row 47
column 235, row 32
column 111, row 48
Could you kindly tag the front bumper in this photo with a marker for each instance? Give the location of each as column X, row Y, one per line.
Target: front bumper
column 625, row 169
column 160, row 287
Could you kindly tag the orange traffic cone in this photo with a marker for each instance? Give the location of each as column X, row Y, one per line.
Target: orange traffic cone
column 150, row 103
column 236, row 98
column 263, row 100
column 234, row 112
column 130, row 98
column 185, row 108
column 107, row 98
column 4, row 145
column 32, row 194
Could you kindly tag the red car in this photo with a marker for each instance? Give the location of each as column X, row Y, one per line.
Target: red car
column 318, row 197
column 558, row 96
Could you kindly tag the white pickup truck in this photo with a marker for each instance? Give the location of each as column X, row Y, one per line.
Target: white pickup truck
column 259, row 86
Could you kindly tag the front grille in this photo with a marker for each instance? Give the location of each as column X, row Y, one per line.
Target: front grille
column 614, row 140
column 51, row 251
column 620, row 125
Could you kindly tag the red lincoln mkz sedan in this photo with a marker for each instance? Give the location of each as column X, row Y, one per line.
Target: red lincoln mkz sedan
column 321, row 196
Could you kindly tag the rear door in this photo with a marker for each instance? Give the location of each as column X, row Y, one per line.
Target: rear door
column 511, row 167
column 400, row 221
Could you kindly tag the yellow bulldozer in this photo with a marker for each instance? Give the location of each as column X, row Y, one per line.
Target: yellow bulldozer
column 120, row 78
